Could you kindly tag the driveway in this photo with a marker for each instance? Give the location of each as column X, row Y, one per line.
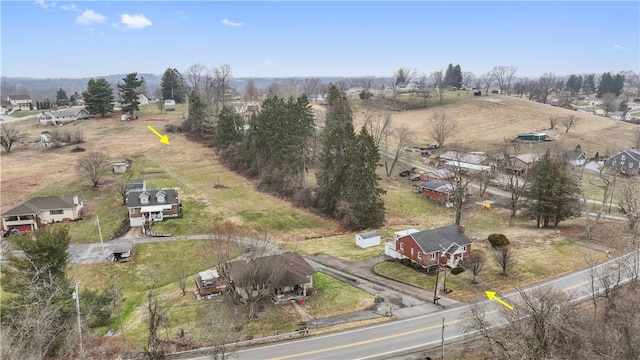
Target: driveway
column 8, row 119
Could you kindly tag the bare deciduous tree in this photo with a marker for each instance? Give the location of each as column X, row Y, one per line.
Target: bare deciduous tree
column 474, row 263
column 487, row 80
column 221, row 320
column 121, row 189
column 93, row 166
column 504, row 257
column 378, row 124
column 312, row 86
column 436, row 79
column 468, row 78
column 515, row 181
column 608, row 103
column 182, row 275
column 636, row 138
column 606, row 183
column 553, row 121
column 460, row 180
column 9, row 134
column 403, row 141
column 157, row 317
column 441, row 127
column 251, row 91
column 568, row 122
column 404, row 74
column 629, row 202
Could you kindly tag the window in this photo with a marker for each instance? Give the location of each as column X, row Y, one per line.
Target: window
column 56, row 212
column 622, row 157
column 411, row 252
column 464, row 248
column 630, row 165
column 401, row 246
column 432, row 256
column 132, row 211
column 419, row 255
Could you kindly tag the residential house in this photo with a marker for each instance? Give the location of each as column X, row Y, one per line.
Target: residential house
column 20, row 102
column 520, row 164
column 438, row 191
column 209, row 282
column 64, row 116
column 575, row 157
column 438, row 175
column 148, row 206
column 587, row 110
column 368, row 239
column 444, row 246
column 134, row 185
column 31, row 214
column 143, row 100
column 284, row 276
column 406, row 86
column 626, row 162
column 472, row 162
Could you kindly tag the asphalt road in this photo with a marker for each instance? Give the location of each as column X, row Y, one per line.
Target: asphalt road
column 425, row 332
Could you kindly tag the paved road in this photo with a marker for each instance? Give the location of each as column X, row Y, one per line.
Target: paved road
column 7, row 119
column 424, row 332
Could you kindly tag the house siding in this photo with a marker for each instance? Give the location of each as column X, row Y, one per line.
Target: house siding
column 407, row 247
column 436, row 196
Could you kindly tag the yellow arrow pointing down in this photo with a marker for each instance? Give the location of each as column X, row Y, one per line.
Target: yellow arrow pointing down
column 492, row 296
column 163, row 138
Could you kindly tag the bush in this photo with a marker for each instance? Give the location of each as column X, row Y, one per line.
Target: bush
column 498, row 240
column 457, row 270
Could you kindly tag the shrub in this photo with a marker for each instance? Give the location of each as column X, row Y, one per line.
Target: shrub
column 498, row 240
column 457, row 270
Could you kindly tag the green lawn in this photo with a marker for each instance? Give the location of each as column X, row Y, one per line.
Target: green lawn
column 334, row 297
column 23, row 113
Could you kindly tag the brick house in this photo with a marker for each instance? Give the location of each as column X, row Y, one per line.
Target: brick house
column 438, row 191
column 446, row 245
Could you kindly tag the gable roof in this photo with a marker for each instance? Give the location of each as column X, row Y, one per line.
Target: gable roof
column 39, row 204
column 370, row 234
column 73, row 111
column 528, row 158
column 440, row 239
column 438, row 186
column 469, row 158
column 134, row 198
column 281, row 270
column 440, row 174
column 19, row 97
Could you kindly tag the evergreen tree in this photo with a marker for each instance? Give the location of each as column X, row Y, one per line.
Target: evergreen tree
column 552, row 192
column 361, row 205
column 338, row 133
column 129, row 92
column 228, row 129
column 61, row 95
column 98, row 98
column 173, row 86
column 197, row 115
column 589, row 84
column 453, row 76
column 574, row 84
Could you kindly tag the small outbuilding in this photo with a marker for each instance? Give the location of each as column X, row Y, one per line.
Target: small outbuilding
column 368, row 239
column 122, row 253
column 120, row 167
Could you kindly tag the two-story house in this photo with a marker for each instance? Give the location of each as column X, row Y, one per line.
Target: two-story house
column 147, row 206
column 20, row 102
column 625, row 162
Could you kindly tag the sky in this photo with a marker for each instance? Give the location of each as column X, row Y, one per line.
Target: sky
column 75, row 39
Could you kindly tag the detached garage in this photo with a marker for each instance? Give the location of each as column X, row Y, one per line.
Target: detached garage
column 368, row 239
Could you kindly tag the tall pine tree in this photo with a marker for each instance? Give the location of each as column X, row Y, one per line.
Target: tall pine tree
column 129, row 92
column 98, row 98
column 173, row 86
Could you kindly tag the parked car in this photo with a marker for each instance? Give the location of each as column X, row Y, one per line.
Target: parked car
column 404, row 173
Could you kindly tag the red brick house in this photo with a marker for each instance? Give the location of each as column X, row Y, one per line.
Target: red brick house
column 438, row 175
column 438, row 191
column 446, row 245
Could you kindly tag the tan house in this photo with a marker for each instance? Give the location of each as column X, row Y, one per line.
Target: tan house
column 61, row 117
column 33, row 213
column 520, row 164
column 20, row 102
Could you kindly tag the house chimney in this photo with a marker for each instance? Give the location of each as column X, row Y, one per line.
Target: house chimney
column 461, row 229
column 76, row 201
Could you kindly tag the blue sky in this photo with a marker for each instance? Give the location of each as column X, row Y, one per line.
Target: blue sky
column 279, row 39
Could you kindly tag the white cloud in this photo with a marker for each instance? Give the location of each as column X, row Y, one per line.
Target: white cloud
column 89, row 16
column 43, row 4
column 618, row 47
column 70, row 8
column 138, row 21
column 228, row 22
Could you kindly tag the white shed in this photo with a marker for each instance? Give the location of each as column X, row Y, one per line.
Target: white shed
column 368, row 239
column 402, row 233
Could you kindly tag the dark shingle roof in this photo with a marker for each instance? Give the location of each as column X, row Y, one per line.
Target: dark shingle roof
column 440, row 186
column 134, row 198
column 441, row 238
column 281, row 270
column 73, row 111
column 19, row 97
column 36, row 205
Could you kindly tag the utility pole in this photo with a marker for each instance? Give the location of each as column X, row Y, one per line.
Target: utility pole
column 76, row 296
column 435, row 291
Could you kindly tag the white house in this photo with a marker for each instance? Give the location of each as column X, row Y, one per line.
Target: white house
column 143, row 100
column 368, row 239
column 60, row 117
column 20, row 102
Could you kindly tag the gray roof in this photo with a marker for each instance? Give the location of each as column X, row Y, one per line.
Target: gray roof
column 444, row 187
column 36, row 205
column 19, row 97
column 440, row 239
column 134, row 198
column 72, row 111
column 368, row 235
column 280, row 270
column 441, row 173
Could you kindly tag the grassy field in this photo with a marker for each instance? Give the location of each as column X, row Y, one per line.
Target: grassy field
column 211, row 193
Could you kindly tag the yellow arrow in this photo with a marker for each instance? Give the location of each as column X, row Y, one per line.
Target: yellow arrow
column 492, row 295
column 163, row 138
